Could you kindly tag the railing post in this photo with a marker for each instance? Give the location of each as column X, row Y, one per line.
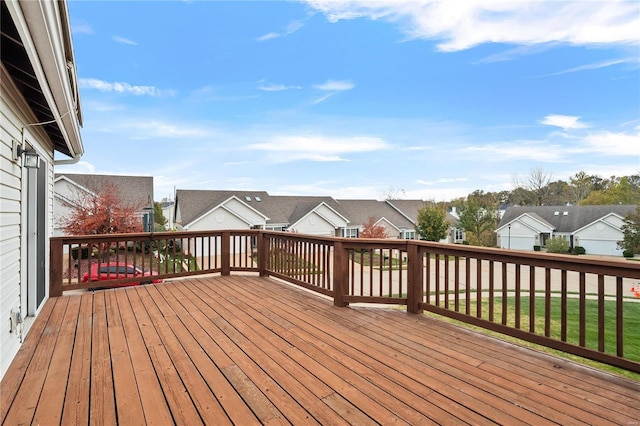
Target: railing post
column 340, row 274
column 263, row 254
column 414, row 278
column 55, row 267
column 225, row 252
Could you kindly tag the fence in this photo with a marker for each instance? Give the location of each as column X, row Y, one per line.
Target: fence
column 579, row 305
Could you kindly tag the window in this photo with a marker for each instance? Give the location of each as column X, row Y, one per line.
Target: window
column 247, row 199
column 410, row 235
column 351, row 232
column 458, row 234
column 258, row 199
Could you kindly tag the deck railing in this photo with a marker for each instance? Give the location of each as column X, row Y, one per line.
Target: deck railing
column 575, row 304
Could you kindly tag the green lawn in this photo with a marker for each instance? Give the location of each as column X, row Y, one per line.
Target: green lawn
column 631, row 327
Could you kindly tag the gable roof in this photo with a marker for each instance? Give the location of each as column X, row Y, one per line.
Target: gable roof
column 576, row 217
column 194, row 203
column 359, row 211
column 135, row 191
column 279, row 209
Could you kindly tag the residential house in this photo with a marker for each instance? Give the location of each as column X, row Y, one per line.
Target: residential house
column 410, row 209
column 41, row 120
column 210, row 210
column 395, row 223
column 72, row 188
column 596, row 228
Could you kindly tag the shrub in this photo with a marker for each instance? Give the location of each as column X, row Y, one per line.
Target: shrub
column 579, row 250
column 557, row 245
column 628, row 253
column 536, row 248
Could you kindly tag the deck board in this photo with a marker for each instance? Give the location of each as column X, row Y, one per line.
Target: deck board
column 247, row 350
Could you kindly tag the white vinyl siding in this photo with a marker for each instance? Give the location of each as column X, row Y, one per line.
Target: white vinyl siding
column 14, row 115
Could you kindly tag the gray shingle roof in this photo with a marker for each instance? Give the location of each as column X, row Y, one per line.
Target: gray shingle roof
column 194, row 203
column 278, row 209
column 575, row 218
column 136, row 191
column 359, row 211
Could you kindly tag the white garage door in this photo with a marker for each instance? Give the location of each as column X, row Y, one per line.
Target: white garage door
column 517, row 243
column 607, row 248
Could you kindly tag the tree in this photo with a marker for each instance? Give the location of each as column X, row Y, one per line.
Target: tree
column 371, row 230
column 580, row 185
column 537, row 183
column 100, row 213
column 479, row 223
column 431, row 223
column 631, row 232
column 622, row 190
column 158, row 216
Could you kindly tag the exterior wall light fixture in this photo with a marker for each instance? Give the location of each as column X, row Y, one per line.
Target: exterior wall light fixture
column 31, row 157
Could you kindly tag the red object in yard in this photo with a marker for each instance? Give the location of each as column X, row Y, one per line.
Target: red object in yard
column 118, row 270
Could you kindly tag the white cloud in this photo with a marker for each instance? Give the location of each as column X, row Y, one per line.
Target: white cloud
column 335, row 86
column 159, row 129
column 79, row 27
column 317, row 148
column 565, row 122
column 123, row 40
column 118, row 87
column 291, row 28
column 463, row 25
column 610, row 143
column 277, row 87
column 594, row 66
column 440, row 181
column 539, row 151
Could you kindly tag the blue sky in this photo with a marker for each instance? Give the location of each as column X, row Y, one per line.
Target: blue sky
column 421, row 99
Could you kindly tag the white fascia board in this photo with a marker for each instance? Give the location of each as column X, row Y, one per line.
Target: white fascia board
column 74, row 183
column 336, row 225
column 387, row 221
column 517, row 219
column 233, row 197
column 258, row 212
column 603, row 220
column 46, row 36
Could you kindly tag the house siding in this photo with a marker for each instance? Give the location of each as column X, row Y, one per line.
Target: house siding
column 15, row 114
column 600, row 237
column 314, row 224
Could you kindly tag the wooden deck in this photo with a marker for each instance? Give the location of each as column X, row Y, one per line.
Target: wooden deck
column 246, row 350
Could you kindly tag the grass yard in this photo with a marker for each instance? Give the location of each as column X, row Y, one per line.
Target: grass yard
column 631, row 329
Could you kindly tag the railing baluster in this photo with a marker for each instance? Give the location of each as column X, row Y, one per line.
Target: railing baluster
column 504, row 297
column 563, row 306
column 619, row 318
column 479, row 288
column 446, row 282
column 456, row 284
column 491, row 288
column 583, row 310
column 518, row 300
column 601, row 313
column 547, row 302
column 467, row 286
column 532, row 299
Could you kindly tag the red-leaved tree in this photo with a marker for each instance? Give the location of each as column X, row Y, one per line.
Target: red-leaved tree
column 100, row 212
column 371, row 230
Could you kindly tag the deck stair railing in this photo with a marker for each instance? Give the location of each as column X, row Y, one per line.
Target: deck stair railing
column 577, row 304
